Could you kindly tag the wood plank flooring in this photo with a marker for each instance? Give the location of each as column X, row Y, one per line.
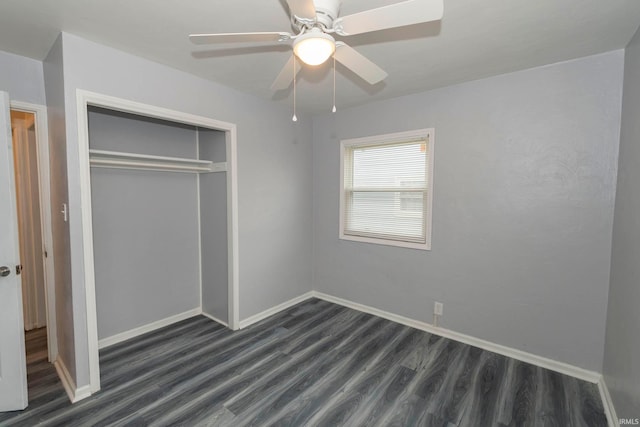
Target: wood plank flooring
column 36, row 345
column 315, row 364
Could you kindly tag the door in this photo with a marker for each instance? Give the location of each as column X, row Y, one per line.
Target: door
column 13, row 365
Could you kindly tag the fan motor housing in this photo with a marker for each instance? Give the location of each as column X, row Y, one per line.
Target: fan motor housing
column 327, row 11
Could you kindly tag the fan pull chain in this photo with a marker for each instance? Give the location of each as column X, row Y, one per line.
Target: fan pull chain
column 333, row 110
column 294, row 118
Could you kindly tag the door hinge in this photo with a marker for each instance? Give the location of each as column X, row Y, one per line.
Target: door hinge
column 18, row 269
column 46, row 254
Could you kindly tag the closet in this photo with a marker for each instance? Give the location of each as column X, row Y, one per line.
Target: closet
column 159, row 218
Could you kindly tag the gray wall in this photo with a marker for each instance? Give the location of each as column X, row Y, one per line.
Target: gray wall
column 525, row 167
column 523, row 206
column 213, row 227
column 54, row 84
column 622, row 349
column 145, row 225
column 22, row 78
column 274, row 178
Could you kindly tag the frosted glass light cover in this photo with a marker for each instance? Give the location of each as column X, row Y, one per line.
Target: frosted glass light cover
column 314, row 48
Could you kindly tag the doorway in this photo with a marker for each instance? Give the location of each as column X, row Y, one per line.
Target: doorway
column 31, row 170
column 25, row 158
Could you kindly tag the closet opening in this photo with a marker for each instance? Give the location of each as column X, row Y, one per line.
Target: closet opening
column 159, row 209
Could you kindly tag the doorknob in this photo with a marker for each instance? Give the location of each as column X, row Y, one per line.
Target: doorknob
column 4, row 271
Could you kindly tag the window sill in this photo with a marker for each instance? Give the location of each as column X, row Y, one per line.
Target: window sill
column 385, row 242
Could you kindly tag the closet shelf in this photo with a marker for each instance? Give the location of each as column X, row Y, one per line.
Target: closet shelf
column 121, row 160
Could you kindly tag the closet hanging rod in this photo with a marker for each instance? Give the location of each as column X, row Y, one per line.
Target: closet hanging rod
column 116, row 164
column 135, row 156
column 121, row 160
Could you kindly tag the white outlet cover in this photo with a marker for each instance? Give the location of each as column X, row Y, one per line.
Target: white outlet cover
column 438, row 308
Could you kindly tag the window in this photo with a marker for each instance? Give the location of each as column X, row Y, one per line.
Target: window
column 386, row 189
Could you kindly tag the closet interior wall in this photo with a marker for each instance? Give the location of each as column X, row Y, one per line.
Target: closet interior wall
column 213, row 225
column 146, row 224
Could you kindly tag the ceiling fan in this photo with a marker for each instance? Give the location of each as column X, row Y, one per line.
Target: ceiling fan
column 314, row 22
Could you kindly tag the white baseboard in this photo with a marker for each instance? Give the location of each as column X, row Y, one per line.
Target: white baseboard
column 561, row 367
column 123, row 336
column 607, row 402
column 543, row 362
column 273, row 310
column 34, row 325
column 215, row 319
column 75, row 394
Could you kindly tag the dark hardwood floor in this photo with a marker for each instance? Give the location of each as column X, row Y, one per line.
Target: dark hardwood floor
column 316, row 364
column 36, row 345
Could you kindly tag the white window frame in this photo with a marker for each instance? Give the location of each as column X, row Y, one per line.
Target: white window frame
column 429, row 136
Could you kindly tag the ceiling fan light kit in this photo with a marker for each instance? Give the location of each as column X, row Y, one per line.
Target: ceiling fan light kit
column 316, row 20
column 314, row 47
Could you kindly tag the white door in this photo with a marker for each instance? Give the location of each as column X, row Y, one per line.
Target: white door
column 13, row 365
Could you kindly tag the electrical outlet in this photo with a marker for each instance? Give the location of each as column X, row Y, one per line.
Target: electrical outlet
column 438, row 308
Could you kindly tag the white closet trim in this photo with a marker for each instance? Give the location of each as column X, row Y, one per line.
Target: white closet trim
column 122, row 160
column 83, row 100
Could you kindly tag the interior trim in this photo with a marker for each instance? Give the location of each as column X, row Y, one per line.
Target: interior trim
column 131, row 333
column 523, row 356
column 75, row 394
column 607, row 402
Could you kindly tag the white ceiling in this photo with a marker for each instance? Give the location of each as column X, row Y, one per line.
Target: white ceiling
column 476, row 39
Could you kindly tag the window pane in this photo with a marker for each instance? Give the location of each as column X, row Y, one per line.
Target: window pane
column 381, row 214
column 390, row 166
column 385, row 190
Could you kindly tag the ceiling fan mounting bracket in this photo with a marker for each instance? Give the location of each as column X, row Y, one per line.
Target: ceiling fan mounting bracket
column 301, row 23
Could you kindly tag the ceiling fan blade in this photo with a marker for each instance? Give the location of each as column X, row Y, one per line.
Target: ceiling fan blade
column 356, row 62
column 287, row 74
column 395, row 15
column 304, row 9
column 239, row 37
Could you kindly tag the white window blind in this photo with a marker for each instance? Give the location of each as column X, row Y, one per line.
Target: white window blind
column 386, row 189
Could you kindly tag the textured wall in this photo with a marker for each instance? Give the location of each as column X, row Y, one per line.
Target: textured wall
column 525, row 167
column 145, row 225
column 524, row 179
column 274, row 171
column 213, row 227
column 622, row 349
column 54, row 83
column 22, row 78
